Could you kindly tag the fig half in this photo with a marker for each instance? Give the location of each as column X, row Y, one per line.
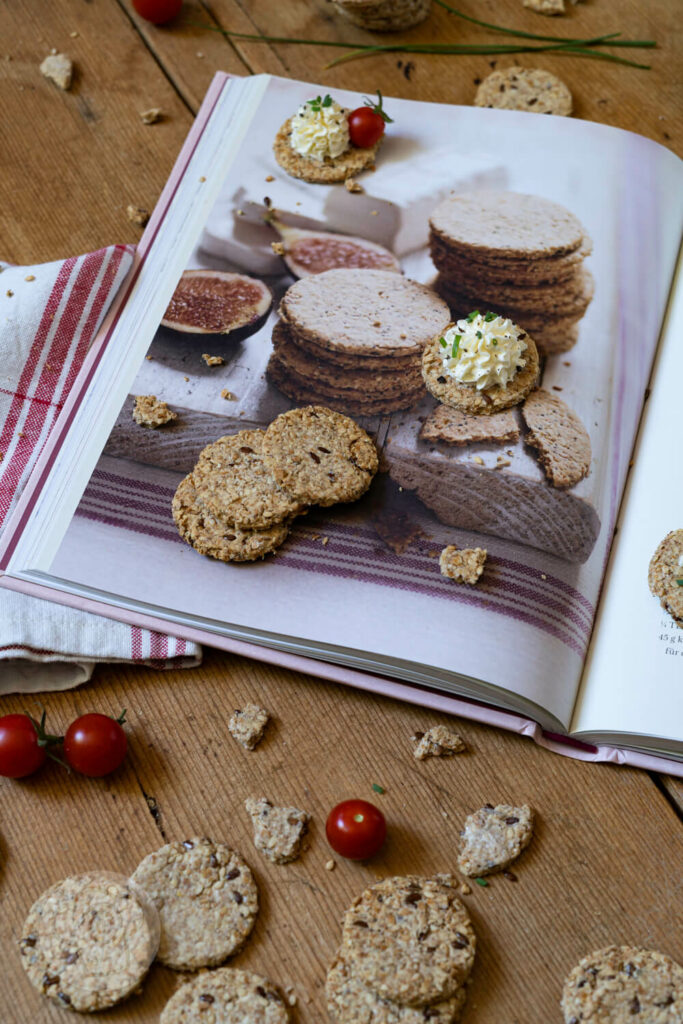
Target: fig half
column 216, row 302
column 312, row 252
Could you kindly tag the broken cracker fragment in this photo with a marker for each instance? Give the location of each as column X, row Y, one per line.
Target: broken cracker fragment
column 439, row 741
column 151, row 116
column 212, row 360
column 248, row 724
column 545, row 6
column 351, row 185
column 278, row 248
column 150, row 412
column 137, row 215
column 464, row 565
column 228, row 395
column 493, row 837
column 278, row 831
column 59, row 69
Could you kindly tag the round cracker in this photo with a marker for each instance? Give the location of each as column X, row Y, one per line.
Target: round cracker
column 233, row 483
column 621, row 984
column 215, row 538
column 206, row 898
column 227, row 996
column 350, row 1002
column 409, row 939
column 321, row 172
column 466, row 397
column 531, row 89
column 320, row 456
column 384, row 15
column 665, row 572
column 88, row 941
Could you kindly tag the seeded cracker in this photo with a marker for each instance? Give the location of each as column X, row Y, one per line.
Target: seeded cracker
column 493, row 837
column 350, row 1002
column 409, row 939
column 88, row 941
column 464, row 565
column 439, row 741
column 384, row 15
column 623, row 985
column 227, row 996
column 320, row 456
column 546, row 6
column 248, row 725
column 665, row 575
column 325, row 172
column 149, row 412
column 531, row 89
column 278, row 831
column 562, row 441
column 455, row 427
column 206, row 898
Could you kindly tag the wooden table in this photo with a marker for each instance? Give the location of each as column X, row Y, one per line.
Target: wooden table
column 605, row 865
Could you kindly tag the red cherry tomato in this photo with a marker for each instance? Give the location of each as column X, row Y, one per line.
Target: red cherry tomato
column 95, row 744
column 20, row 752
column 366, row 124
column 356, row 829
column 158, row 11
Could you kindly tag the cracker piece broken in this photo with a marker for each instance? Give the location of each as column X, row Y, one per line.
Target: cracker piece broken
column 439, row 741
column 212, row 360
column 59, row 69
column 278, row 831
column 248, row 724
column 149, row 412
column 545, row 6
column 464, row 565
column 137, row 215
column 456, row 427
column 151, row 116
column 493, row 837
column 559, row 436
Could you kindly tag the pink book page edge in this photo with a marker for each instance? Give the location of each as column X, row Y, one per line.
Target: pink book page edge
column 382, row 685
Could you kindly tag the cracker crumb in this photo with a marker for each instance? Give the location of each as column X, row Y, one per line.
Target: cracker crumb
column 502, row 463
column 240, row 213
column 543, row 576
column 200, row 54
column 248, row 724
column 278, row 248
column 376, row 323
column 330, row 865
column 439, row 741
column 137, row 215
column 478, row 459
column 186, row 379
column 212, row 360
column 228, row 395
column 74, row 35
column 351, row 185
column 149, row 358
column 30, row 277
column 9, row 293
column 202, row 178
column 278, row 831
column 465, row 889
column 59, row 69
column 151, row 116
column 546, row 6
column 149, row 412
column 462, row 565
column 325, row 541
column 373, row 213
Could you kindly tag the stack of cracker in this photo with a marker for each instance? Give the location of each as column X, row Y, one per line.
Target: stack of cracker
column 353, row 339
column 239, row 501
column 384, row 15
column 518, row 255
column 406, row 953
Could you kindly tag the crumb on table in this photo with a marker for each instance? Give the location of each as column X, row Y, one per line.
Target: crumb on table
column 212, row 360
column 278, row 831
column 464, row 565
column 150, row 412
column 248, row 724
column 439, row 741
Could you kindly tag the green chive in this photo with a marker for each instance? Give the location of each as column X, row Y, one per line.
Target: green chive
column 481, row 881
column 475, row 313
column 680, row 583
column 377, row 788
column 493, row 341
column 479, row 334
column 456, row 346
column 490, row 316
column 443, row 343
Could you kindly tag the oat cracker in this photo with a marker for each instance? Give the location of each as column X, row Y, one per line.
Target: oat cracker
column 455, row 427
column 320, row 456
column 439, row 741
column 384, row 15
column 623, row 984
column 531, row 89
column 493, row 837
column 150, row 412
column 350, row 1002
column 248, row 724
column 278, row 831
column 59, row 69
column 321, row 172
column 546, row 6
column 226, row 996
column 409, row 939
column 665, row 575
column 206, row 898
column 559, row 436
column 464, row 565
column 88, row 941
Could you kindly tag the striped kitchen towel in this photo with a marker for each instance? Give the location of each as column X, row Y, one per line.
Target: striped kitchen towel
column 49, row 315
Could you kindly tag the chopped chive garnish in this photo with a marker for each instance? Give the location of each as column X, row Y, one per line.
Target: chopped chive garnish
column 680, row 583
column 479, row 334
column 377, row 788
column 456, row 345
column 475, row 313
column 490, row 316
column 443, row 343
column 493, row 341
column 481, row 881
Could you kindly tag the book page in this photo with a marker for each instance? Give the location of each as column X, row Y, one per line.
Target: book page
column 633, row 687
column 360, row 583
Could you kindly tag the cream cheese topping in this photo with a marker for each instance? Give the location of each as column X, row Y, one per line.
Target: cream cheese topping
column 484, row 350
column 320, row 128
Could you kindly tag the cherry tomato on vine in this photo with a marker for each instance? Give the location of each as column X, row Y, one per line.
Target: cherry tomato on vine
column 356, row 829
column 158, row 11
column 366, row 124
column 21, row 752
column 95, row 744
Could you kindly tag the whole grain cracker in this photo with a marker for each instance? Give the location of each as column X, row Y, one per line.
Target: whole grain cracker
column 215, row 538
column 384, row 15
column 665, row 575
column 439, row 741
column 467, row 398
column 88, row 941
column 227, row 996
column 206, row 898
column 321, row 172
column 350, row 1002
column 458, row 263
column 531, row 89
column 320, row 456
column 278, row 831
column 409, row 939
column 59, row 69
column 464, row 565
column 622, row 984
column 452, row 426
column 493, row 837
column 546, row 6
column 234, row 484
column 559, row 436
column 248, row 724
column 150, row 412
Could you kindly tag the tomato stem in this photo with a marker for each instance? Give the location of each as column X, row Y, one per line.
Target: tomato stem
column 122, row 717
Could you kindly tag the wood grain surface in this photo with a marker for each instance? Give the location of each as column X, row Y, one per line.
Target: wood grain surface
column 604, row 865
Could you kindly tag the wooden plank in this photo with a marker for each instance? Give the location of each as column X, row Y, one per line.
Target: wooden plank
column 328, row 743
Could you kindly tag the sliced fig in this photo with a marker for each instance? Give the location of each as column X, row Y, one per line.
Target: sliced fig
column 216, row 302
column 311, row 252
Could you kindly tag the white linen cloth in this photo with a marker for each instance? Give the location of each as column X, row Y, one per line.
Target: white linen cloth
column 49, row 315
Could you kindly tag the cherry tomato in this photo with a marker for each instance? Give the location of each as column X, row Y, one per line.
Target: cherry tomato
column 20, row 752
column 356, row 829
column 158, row 11
column 95, row 744
column 366, row 124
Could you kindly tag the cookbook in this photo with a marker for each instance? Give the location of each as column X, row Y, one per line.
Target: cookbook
column 263, row 285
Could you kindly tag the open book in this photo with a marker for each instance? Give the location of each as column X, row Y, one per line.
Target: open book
column 560, row 638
